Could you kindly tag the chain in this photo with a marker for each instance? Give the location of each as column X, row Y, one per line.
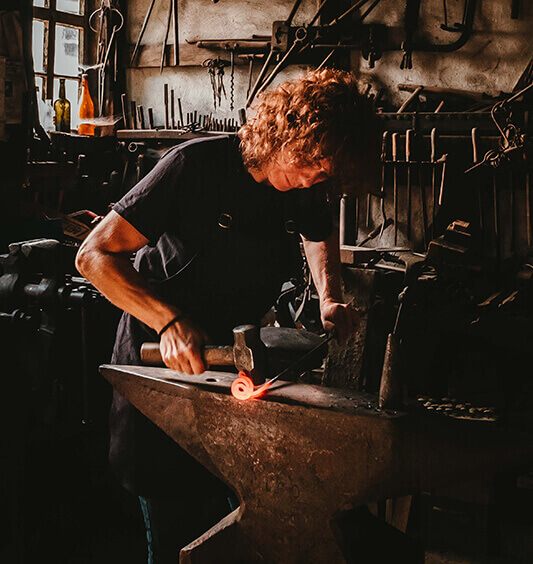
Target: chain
column 232, row 81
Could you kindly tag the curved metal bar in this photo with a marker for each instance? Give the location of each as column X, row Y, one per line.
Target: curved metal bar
column 470, row 10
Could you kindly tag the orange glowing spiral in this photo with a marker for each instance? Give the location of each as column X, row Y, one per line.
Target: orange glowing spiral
column 242, row 388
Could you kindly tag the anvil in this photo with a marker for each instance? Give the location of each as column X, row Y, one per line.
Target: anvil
column 302, row 453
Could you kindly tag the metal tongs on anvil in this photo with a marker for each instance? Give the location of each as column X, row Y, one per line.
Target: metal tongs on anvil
column 255, row 353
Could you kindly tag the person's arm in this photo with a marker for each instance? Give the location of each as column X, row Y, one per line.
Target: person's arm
column 104, row 260
column 323, row 258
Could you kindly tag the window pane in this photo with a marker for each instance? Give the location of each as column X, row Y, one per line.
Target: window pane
column 72, row 6
column 39, row 83
column 40, row 3
column 67, row 50
column 38, row 45
column 71, row 87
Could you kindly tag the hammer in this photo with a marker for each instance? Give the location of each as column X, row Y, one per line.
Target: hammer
column 248, row 353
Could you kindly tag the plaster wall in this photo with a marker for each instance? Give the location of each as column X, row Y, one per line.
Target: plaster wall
column 491, row 61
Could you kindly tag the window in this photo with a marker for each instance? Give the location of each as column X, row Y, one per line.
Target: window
column 59, row 47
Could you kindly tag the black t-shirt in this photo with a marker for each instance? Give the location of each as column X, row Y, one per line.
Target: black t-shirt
column 180, row 207
column 220, row 277
column 209, row 172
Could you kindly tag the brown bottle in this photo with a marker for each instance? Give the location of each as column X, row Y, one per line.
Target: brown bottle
column 62, row 109
column 86, row 108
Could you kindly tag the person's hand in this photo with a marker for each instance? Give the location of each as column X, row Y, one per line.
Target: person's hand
column 339, row 318
column 181, row 347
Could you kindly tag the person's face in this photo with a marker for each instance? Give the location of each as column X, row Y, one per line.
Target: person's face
column 283, row 174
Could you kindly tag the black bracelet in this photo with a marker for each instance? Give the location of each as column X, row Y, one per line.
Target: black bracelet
column 171, row 322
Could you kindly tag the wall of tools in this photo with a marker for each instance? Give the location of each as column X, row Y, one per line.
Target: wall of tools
column 470, row 45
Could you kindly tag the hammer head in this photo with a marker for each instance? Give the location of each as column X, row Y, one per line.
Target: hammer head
column 249, row 352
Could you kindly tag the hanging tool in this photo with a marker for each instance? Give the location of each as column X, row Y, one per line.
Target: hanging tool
column 215, row 68
column 172, row 16
column 210, row 65
column 250, row 74
column 141, row 33
column 395, row 184
column 243, row 388
column 106, row 21
column 164, row 43
column 300, row 41
column 221, row 63
column 456, row 27
column 433, row 157
column 512, row 140
column 421, row 186
column 260, row 77
column 382, row 192
column 412, row 9
column 408, row 145
column 175, row 30
column 287, row 23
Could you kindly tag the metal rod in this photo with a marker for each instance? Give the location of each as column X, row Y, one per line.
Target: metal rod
column 175, row 32
column 382, row 191
column 301, row 35
column 345, row 14
column 180, row 111
column 133, row 107
column 443, row 160
column 259, row 78
column 422, row 189
column 318, row 12
column 395, row 184
column 164, row 44
column 140, row 109
column 327, row 58
column 167, row 124
column 433, row 156
column 295, row 7
column 124, row 104
column 408, row 144
column 141, row 33
column 172, row 112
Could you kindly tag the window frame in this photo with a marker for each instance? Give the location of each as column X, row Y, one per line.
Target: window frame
column 51, row 17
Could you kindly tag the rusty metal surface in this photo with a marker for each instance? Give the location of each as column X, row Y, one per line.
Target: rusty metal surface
column 302, row 453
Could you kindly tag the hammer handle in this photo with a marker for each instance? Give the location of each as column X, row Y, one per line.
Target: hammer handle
column 213, row 356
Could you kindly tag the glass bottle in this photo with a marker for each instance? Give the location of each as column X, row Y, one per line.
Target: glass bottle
column 62, row 109
column 86, row 108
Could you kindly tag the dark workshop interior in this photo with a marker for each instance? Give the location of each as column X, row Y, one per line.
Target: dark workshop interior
column 317, row 218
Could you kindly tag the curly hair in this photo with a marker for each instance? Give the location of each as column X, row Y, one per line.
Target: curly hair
column 319, row 116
